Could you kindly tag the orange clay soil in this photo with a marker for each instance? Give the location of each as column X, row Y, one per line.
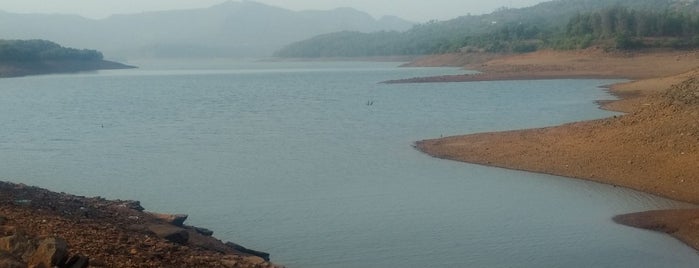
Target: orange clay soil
column 653, row 148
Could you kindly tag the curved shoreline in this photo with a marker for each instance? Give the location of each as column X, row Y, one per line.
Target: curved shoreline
column 653, row 148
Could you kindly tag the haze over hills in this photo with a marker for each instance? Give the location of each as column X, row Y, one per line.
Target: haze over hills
column 231, row 29
column 541, row 23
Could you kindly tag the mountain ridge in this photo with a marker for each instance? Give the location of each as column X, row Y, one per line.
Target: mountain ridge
column 230, row 29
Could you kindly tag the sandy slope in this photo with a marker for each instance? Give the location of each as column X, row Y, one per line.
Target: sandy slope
column 654, row 148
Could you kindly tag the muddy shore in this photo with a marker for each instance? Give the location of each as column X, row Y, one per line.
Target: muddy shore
column 653, row 148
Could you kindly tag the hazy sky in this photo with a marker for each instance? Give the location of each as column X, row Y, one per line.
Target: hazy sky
column 416, row 10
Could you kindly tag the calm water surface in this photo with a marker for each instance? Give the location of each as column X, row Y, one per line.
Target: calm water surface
column 289, row 158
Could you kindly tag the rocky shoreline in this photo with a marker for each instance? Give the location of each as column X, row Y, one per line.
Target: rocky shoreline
column 653, row 148
column 40, row 228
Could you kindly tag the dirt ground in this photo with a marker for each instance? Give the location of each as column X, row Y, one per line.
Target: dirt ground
column 590, row 63
column 653, row 148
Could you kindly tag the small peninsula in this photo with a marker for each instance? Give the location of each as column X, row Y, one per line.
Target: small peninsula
column 653, row 148
column 34, row 57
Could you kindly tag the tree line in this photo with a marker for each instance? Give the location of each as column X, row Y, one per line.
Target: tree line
column 43, row 50
column 633, row 29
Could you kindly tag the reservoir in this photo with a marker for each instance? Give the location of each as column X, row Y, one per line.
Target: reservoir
column 313, row 162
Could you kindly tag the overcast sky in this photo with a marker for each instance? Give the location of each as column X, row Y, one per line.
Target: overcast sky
column 416, row 10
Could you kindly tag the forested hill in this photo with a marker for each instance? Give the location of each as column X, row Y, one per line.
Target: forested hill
column 511, row 30
column 42, row 50
column 27, row 57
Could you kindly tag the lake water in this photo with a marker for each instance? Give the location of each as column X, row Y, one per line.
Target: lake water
column 289, row 158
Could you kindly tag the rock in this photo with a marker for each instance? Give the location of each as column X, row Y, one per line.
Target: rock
column 204, row 231
column 239, row 248
column 17, row 244
column 174, row 219
column 9, row 261
column 7, row 230
column 171, row 233
column 51, row 252
column 78, row 261
column 137, row 228
column 229, row 263
column 254, row 260
column 207, row 242
column 131, row 204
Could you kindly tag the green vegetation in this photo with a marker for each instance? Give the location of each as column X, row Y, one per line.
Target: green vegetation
column 42, row 50
column 633, row 29
column 32, row 57
column 559, row 24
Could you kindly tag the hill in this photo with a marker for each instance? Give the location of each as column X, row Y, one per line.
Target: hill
column 230, row 29
column 28, row 57
column 530, row 27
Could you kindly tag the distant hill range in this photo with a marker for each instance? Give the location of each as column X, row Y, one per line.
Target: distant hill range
column 230, row 29
column 495, row 29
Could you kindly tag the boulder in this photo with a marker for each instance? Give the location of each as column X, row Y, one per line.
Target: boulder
column 131, row 204
column 50, row 252
column 17, row 244
column 9, row 261
column 241, row 249
column 171, row 233
column 203, row 231
column 207, row 242
column 254, row 260
column 77, row 261
column 174, row 219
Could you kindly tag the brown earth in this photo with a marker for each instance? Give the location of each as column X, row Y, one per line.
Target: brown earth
column 105, row 233
column 653, row 148
column 591, row 63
